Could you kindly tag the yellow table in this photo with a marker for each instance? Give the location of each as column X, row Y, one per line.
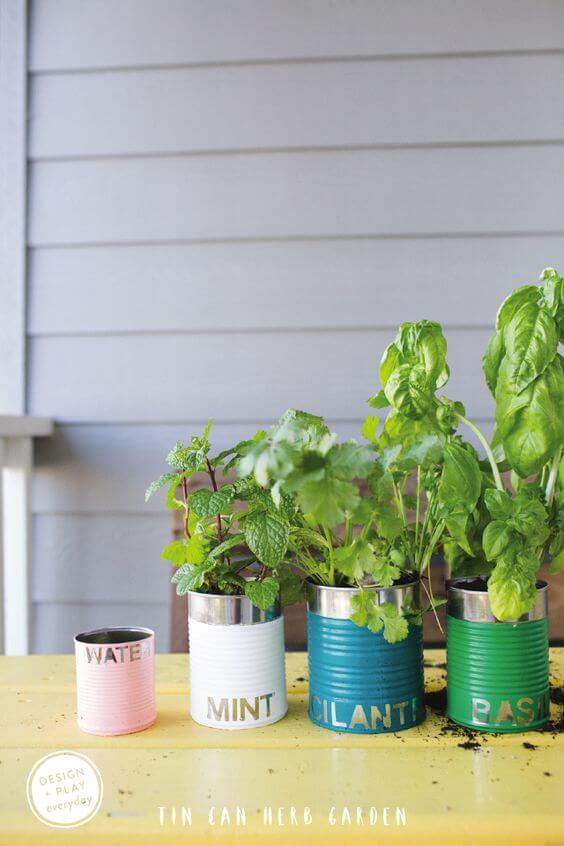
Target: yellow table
column 500, row 792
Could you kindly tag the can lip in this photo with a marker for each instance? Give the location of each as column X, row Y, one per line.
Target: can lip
column 113, row 635
column 336, row 602
column 473, row 604
column 217, row 609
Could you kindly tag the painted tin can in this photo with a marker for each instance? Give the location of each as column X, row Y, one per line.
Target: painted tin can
column 497, row 672
column 115, row 680
column 358, row 682
column 237, row 671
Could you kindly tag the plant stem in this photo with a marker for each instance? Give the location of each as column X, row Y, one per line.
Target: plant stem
column 551, row 484
column 348, row 531
column 417, row 506
column 184, row 485
column 489, row 453
column 329, row 540
column 214, row 486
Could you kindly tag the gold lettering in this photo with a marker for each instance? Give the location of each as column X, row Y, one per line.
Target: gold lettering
column 220, row 712
column 244, row 704
column 401, row 706
column 316, row 714
column 527, row 714
column 110, row 656
column 358, row 718
column 505, row 712
column 334, row 719
column 135, row 652
column 480, row 711
column 267, row 697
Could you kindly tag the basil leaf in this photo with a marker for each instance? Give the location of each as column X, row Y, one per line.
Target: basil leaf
column 531, row 342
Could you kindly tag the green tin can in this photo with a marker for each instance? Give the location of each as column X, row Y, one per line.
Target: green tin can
column 497, row 672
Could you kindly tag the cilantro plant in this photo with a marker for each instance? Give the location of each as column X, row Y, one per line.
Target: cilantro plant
column 511, row 531
column 235, row 538
column 348, row 510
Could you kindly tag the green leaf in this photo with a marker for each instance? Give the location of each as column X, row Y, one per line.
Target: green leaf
column 379, row 617
column 527, row 294
column 492, row 359
column 267, row 535
column 531, row 424
column 496, row 539
column 350, row 460
column 379, row 400
column 328, row 499
column 531, row 342
column 461, row 481
column 188, row 577
column 396, row 627
column 530, row 519
column 171, row 501
column 383, row 571
column 291, row 587
column 262, row 594
column 187, row 458
column 354, row 560
column 370, row 427
column 499, row 504
column 389, row 524
column 229, row 542
column 512, row 586
column 159, row 483
column 206, row 503
column 175, row 552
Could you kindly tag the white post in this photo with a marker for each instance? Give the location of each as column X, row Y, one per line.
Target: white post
column 17, row 543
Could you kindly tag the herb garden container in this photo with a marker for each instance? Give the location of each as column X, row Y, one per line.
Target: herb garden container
column 115, row 680
column 497, row 672
column 358, row 682
column 237, row 672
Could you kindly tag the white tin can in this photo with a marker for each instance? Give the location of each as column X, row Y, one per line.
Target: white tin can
column 237, row 672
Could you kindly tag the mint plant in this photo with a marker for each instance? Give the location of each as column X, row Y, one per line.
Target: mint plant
column 509, row 532
column 235, row 537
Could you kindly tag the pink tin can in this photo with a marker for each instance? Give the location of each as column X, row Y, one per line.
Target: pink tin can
column 115, row 680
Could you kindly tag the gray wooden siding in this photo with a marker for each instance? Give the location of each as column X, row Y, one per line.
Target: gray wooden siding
column 231, row 206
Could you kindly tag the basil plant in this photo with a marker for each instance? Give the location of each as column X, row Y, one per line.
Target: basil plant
column 514, row 527
column 235, row 538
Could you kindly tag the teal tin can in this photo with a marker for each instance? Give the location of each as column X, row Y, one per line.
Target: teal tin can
column 358, row 682
column 497, row 672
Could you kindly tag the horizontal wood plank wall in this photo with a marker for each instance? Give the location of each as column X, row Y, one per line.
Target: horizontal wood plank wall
column 262, row 188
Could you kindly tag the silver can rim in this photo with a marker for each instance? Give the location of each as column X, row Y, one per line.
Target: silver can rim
column 474, row 605
column 336, row 602
column 215, row 609
column 95, row 636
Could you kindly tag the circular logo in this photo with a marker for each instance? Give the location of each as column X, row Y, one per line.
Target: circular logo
column 64, row 789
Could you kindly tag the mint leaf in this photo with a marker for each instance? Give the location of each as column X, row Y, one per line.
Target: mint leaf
column 267, row 535
column 206, row 503
column 190, row 577
column 262, row 594
column 228, row 543
column 175, row 552
column 157, row 484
